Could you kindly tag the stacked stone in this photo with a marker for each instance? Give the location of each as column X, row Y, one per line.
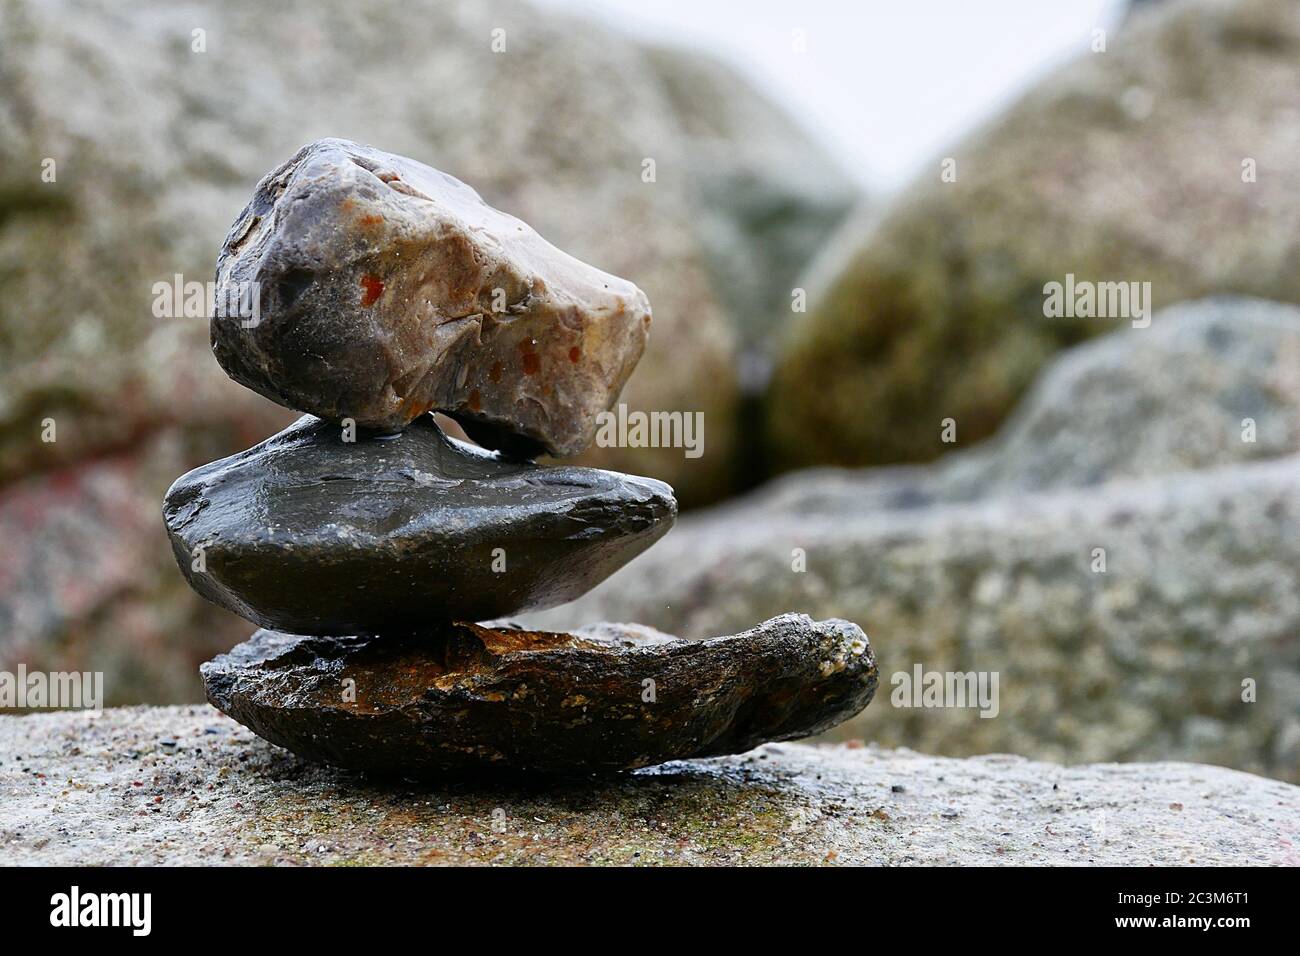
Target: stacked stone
column 365, row 542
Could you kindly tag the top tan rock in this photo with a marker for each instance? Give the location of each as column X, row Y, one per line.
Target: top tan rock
column 387, row 289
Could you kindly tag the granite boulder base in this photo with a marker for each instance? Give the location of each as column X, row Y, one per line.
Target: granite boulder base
column 464, row 698
column 311, row 533
column 386, row 289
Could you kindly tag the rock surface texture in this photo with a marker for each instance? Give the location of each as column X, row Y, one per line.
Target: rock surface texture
column 1212, row 382
column 1136, row 601
column 1111, row 170
column 185, row 785
column 389, row 289
column 313, row 534
column 608, row 697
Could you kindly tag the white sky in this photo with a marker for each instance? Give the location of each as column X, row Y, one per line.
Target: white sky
column 886, row 85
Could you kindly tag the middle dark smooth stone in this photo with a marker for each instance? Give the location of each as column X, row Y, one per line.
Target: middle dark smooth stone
column 311, row 534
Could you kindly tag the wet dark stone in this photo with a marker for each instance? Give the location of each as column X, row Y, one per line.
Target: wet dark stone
column 464, row 698
column 312, row 534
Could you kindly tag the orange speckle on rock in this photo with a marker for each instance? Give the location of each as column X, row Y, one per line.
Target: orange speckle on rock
column 374, row 287
column 531, row 362
column 413, row 407
column 575, row 353
column 475, row 401
column 494, row 373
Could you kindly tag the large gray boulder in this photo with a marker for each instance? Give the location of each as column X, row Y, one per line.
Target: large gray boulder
column 1166, row 158
column 1136, row 601
column 87, row 581
column 1211, row 382
column 155, row 786
column 766, row 203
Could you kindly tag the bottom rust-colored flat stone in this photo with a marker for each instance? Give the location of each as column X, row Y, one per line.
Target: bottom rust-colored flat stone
column 608, row 697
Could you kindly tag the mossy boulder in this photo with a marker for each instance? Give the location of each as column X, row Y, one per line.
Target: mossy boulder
column 1127, row 165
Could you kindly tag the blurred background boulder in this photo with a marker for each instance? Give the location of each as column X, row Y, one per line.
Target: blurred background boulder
column 1125, row 554
column 157, row 145
column 1166, row 159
